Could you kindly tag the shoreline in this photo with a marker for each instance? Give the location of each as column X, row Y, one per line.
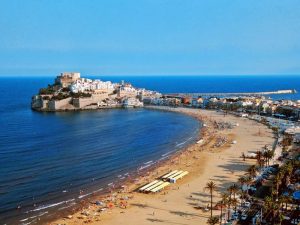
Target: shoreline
column 76, row 109
column 143, row 176
column 175, row 159
column 92, row 193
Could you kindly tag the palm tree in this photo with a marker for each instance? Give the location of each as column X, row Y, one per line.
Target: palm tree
column 229, row 189
column 268, row 204
column 281, row 217
column 228, row 207
column 234, row 189
column 271, row 207
column 285, row 199
column 223, row 202
column 266, row 157
column 259, row 158
column 268, row 154
column 211, row 187
column 213, row 220
column 234, row 202
column 277, row 182
column 288, row 168
column 287, row 171
column 252, row 171
column 243, row 180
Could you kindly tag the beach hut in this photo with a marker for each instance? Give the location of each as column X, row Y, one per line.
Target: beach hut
column 154, row 186
column 179, row 176
column 174, row 175
column 160, row 187
column 169, row 174
column 148, row 185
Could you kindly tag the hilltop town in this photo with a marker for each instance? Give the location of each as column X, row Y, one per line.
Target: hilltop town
column 71, row 92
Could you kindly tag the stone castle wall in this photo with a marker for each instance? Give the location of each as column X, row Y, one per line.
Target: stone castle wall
column 94, row 99
column 59, row 104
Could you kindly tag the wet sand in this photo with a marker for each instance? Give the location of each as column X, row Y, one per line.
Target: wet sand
column 176, row 204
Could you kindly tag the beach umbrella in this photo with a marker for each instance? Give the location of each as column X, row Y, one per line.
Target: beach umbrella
column 296, row 195
column 110, row 205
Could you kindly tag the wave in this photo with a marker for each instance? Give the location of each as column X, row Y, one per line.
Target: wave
column 149, row 162
column 82, row 196
column 163, row 158
column 182, row 143
column 50, row 205
column 168, row 153
column 32, row 217
column 26, row 223
column 68, row 206
column 101, row 189
column 146, row 166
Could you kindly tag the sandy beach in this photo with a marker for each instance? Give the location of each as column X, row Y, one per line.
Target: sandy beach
column 176, row 204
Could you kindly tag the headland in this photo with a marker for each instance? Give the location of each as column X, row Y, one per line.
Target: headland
column 70, row 92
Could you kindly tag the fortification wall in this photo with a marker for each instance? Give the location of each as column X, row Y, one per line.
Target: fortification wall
column 59, row 104
column 94, row 99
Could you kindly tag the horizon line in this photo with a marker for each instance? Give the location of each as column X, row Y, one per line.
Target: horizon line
column 143, row 75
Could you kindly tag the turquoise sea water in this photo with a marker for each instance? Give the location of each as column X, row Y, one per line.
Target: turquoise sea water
column 46, row 159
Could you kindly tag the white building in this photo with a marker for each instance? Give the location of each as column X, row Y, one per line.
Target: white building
column 82, row 85
column 132, row 102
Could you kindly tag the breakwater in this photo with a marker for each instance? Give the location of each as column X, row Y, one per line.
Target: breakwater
column 279, row 92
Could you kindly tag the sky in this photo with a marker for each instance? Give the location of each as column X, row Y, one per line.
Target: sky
column 150, row 37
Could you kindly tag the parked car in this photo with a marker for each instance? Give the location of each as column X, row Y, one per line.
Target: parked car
column 252, row 188
column 247, row 204
column 244, row 217
column 235, row 216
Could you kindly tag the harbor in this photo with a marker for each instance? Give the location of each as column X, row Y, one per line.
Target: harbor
column 290, row 91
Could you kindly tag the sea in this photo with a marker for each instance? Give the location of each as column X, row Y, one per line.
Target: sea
column 50, row 162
